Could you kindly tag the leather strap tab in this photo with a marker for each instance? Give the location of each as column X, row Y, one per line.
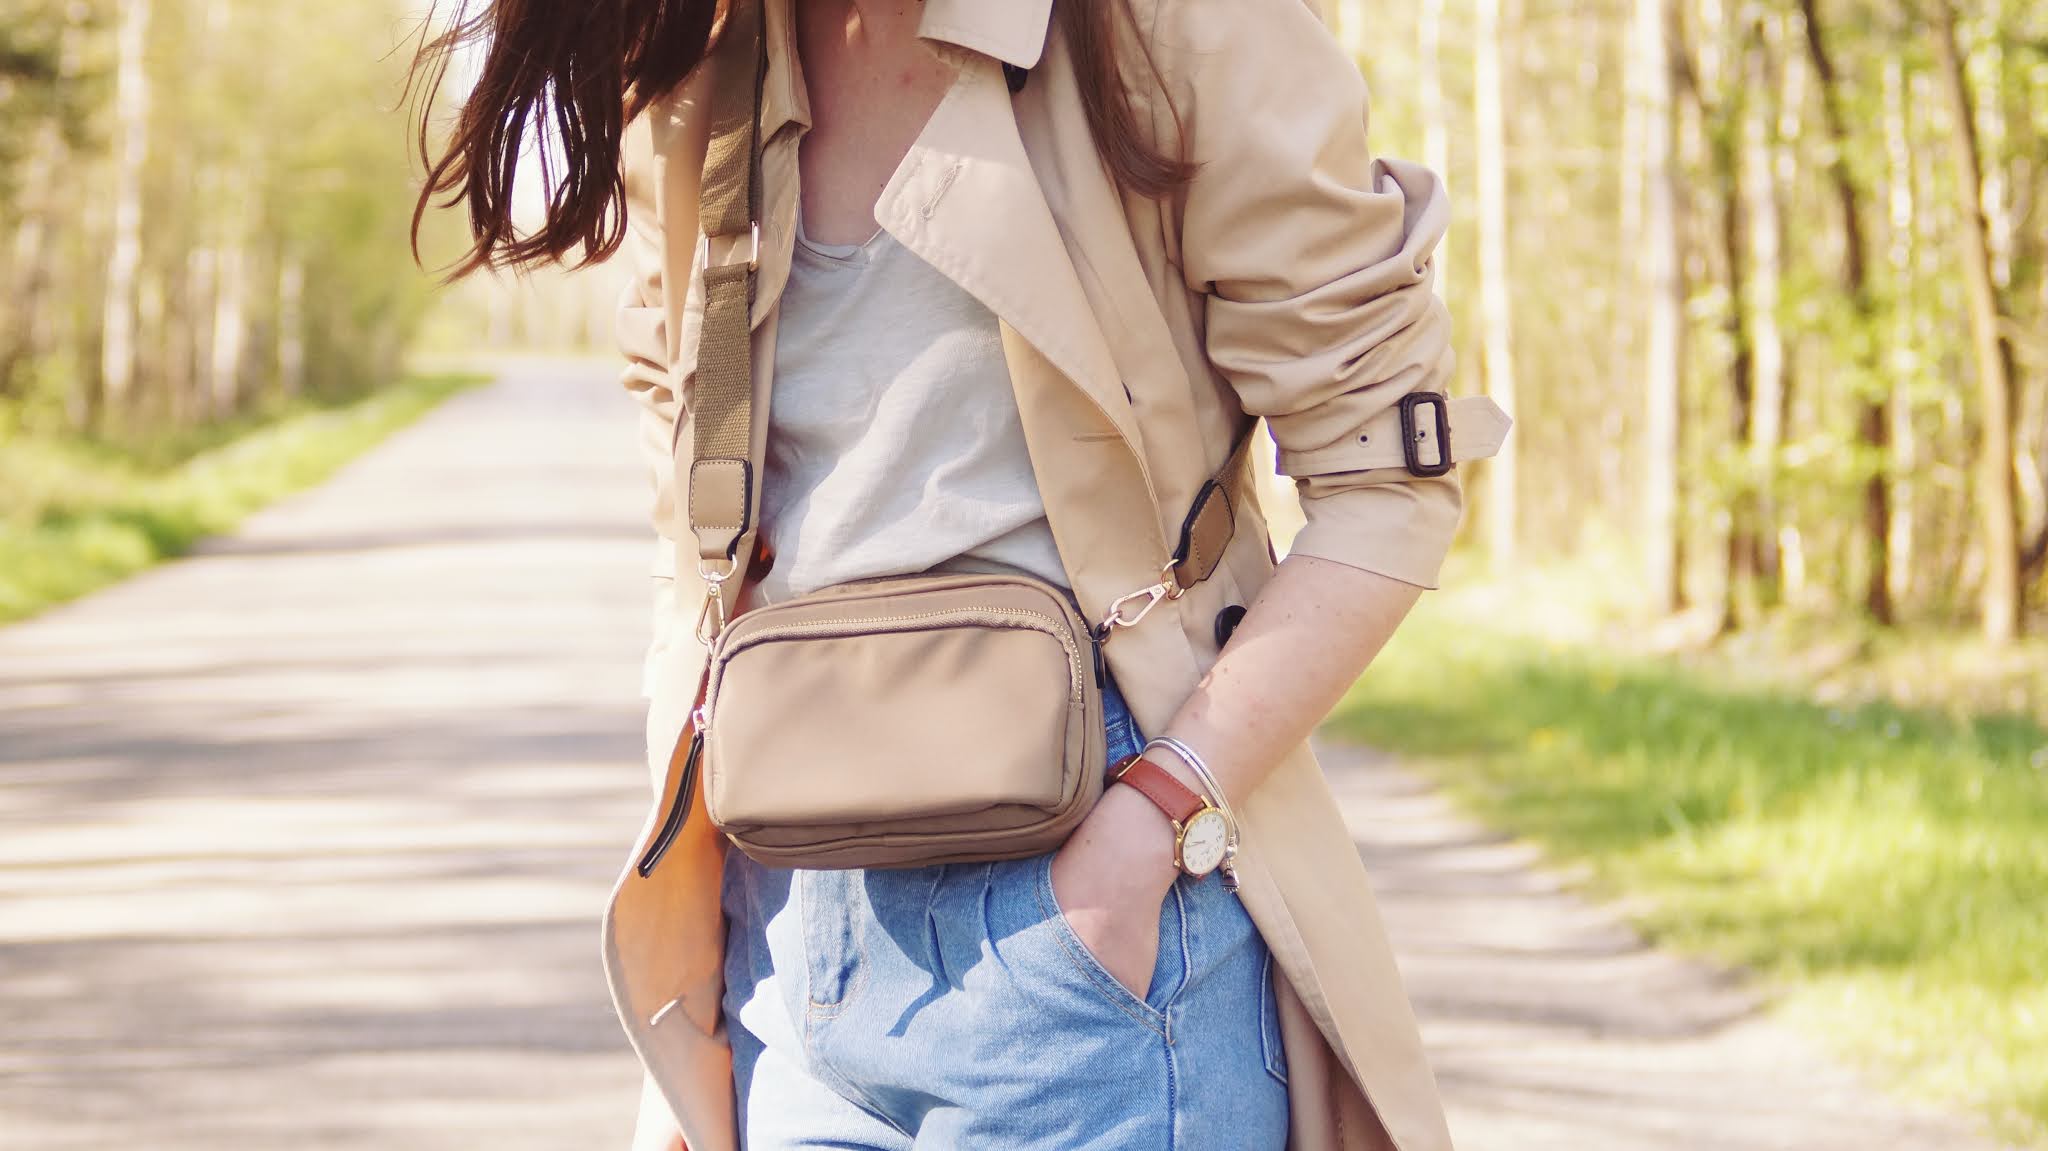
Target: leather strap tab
column 721, row 491
column 1157, row 784
column 1212, row 519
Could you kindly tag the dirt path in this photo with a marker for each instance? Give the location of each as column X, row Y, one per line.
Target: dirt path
column 302, row 843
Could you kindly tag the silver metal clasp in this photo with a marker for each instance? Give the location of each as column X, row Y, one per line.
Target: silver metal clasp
column 713, row 610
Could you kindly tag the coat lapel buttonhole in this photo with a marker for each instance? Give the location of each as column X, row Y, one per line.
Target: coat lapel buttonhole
column 931, row 203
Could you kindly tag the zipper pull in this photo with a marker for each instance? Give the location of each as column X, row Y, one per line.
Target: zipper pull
column 678, row 811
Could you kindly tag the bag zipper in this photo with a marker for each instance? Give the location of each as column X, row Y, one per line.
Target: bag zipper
column 686, row 790
column 1050, row 626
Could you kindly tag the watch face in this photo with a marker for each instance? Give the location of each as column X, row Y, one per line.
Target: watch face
column 1202, row 842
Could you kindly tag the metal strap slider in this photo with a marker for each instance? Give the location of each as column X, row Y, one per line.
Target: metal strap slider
column 731, row 248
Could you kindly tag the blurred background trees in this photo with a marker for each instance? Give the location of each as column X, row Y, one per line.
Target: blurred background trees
column 1763, row 280
column 1771, row 276
column 203, row 205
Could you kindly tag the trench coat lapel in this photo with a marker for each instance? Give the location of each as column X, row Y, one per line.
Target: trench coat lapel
column 967, row 201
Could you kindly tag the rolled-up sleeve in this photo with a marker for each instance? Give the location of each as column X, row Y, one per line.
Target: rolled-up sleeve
column 1315, row 263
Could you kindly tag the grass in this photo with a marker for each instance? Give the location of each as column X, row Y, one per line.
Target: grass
column 76, row 515
column 1884, row 868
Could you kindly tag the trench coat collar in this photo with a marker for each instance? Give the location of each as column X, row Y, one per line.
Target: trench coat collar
column 1012, row 31
column 965, row 198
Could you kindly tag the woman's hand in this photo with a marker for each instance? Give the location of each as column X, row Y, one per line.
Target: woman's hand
column 1110, row 879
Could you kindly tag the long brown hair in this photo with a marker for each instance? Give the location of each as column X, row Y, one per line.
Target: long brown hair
column 580, row 72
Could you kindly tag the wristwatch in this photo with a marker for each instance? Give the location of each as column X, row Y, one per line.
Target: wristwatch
column 1201, row 831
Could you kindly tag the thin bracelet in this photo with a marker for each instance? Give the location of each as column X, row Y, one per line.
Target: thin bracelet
column 1222, row 802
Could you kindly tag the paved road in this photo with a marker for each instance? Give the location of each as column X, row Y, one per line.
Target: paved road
column 302, row 840
column 302, row 843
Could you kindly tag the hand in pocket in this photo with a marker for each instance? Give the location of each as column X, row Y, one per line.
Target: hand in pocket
column 1110, row 879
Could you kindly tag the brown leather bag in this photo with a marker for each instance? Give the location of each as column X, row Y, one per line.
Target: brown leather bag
column 895, row 721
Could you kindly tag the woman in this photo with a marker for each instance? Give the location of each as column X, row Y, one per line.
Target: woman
column 1023, row 275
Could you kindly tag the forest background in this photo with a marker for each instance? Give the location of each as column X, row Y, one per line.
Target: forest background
column 1741, row 620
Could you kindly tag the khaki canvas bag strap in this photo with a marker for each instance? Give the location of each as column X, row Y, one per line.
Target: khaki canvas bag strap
column 721, row 479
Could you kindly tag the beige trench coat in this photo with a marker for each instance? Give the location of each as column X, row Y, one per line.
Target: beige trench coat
column 1290, row 280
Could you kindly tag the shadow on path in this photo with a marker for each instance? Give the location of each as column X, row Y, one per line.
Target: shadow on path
column 1552, row 1025
column 303, row 839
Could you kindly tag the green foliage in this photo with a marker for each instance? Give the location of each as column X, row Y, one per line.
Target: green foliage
column 76, row 514
column 1884, row 867
column 276, row 154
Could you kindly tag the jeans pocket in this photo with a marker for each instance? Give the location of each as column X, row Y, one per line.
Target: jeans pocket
column 1168, row 967
column 834, row 940
column 1269, row 1022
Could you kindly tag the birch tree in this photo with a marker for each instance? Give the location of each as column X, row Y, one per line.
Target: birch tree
column 1664, row 305
column 1999, row 614
column 1496, row 312
column 131, row 113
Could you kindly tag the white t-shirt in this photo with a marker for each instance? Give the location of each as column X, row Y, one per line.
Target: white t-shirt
column 894, row 443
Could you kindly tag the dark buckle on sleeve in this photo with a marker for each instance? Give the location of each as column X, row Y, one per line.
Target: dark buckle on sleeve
column 1411, row 439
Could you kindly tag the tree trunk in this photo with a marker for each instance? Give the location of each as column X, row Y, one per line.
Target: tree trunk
column 1873, row 420
column 1496, row 314
column 1663, row 283
column 1903, row 175
column 1726, row 97
column 28, row 265
column 1997, row 521
column 1436, row 130
column 230, row 332
column 131, row 117
column 291, row 334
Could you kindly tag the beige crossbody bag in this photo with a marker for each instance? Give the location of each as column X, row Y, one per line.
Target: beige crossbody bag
column 895, row 721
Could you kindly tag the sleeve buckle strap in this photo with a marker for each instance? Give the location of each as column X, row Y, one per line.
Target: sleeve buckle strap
column 1413, row 438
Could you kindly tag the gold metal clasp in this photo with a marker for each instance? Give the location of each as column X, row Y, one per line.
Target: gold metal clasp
column 1121, row 615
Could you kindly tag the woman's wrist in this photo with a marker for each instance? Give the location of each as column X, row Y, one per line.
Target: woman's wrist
column 1139, row 835
column 1171, row 747
column 1178, row 767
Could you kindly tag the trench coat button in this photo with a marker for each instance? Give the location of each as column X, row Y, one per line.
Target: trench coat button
column 1227, row 621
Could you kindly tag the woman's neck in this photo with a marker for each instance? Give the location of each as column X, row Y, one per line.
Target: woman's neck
column 872, row 85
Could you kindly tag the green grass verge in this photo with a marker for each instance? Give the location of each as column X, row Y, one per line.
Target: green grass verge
column 1885, row 869
column 77, row 515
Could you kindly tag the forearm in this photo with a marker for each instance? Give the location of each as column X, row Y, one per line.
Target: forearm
column 1304, row 640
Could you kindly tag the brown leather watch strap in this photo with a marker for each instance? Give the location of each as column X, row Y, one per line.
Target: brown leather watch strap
column 1157, row 784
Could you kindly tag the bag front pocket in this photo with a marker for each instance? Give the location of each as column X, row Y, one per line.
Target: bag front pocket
column 890, row 728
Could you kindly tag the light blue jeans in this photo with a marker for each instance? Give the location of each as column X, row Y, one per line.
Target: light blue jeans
column 952, row 1007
